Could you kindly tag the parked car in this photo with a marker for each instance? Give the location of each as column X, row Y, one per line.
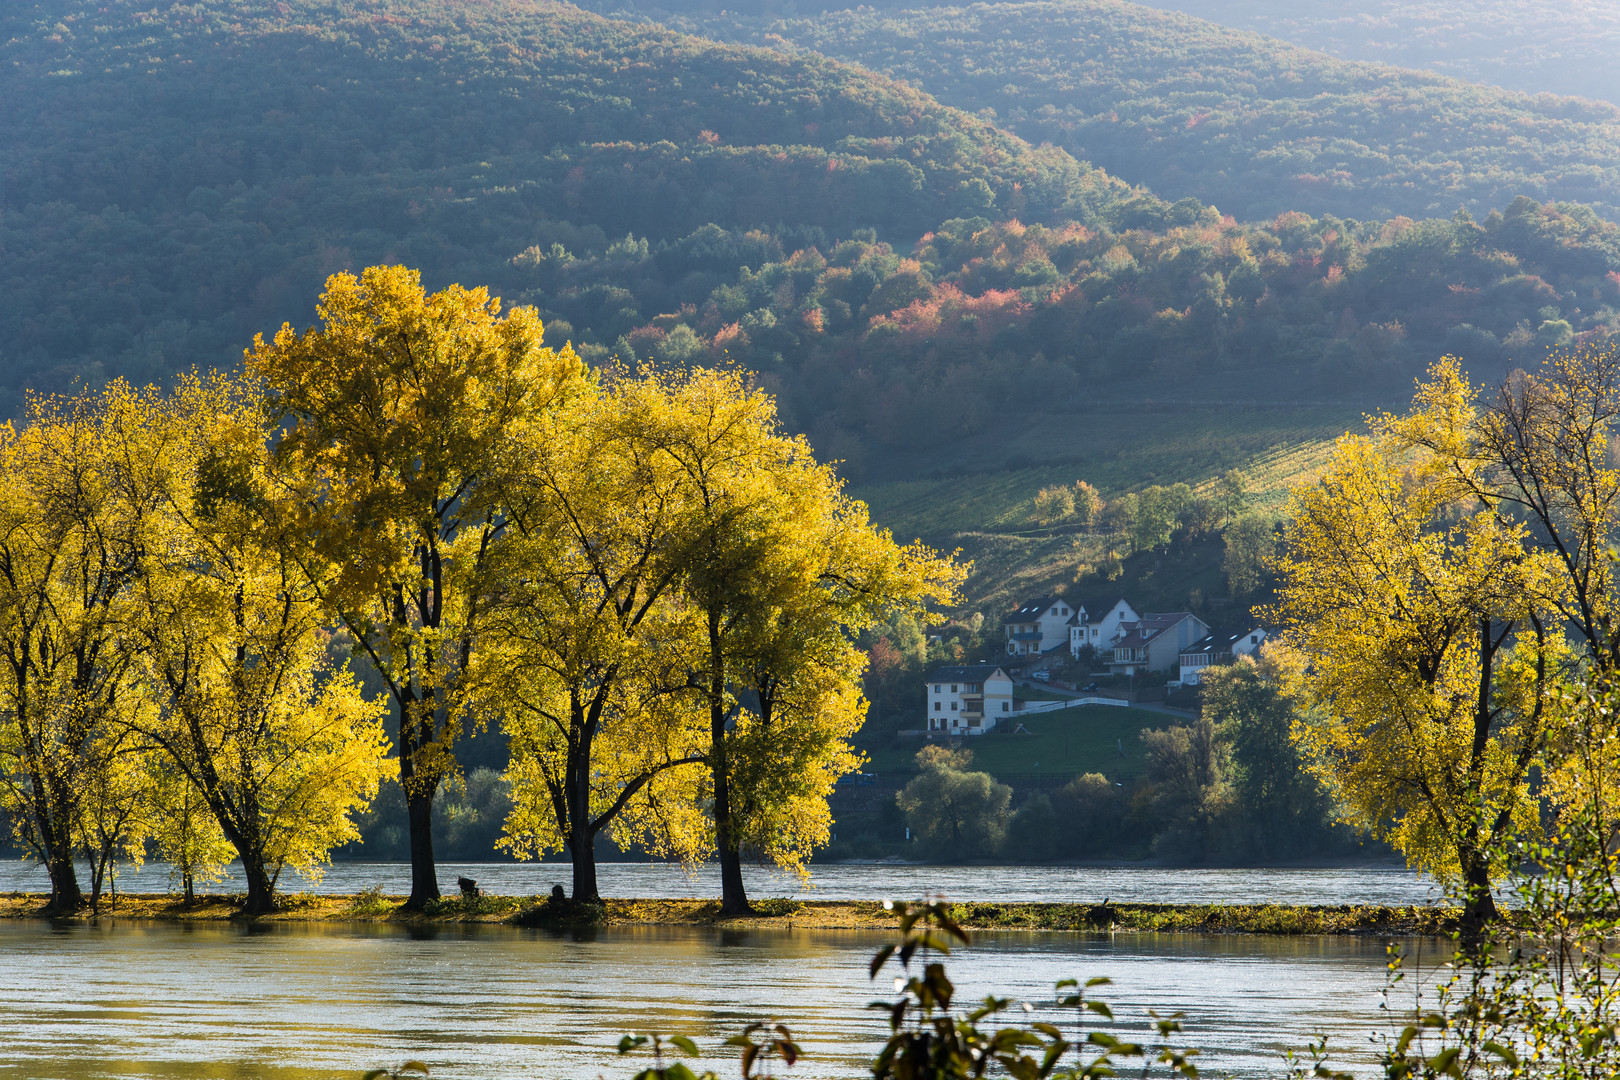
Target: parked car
column 1090, row 686
column 1044, row 676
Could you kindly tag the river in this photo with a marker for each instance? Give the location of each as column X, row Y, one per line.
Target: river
column 851, row 881
column 292, row 1002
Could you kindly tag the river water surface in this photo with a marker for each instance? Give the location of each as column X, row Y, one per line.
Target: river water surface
column 851, row 881
column 284, row 1002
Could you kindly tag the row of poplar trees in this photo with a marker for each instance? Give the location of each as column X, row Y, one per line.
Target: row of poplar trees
column 638, row 576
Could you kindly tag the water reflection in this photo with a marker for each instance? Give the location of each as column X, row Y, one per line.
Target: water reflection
column 847, row 881
column 127, row 999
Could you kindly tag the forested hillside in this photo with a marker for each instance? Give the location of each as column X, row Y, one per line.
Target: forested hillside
column 961, row 318
column 178, row 176
column 1536, row 46
column 1251, row 124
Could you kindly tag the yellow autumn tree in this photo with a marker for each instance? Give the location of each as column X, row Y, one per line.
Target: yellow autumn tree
column 1537, row 449
column 118, row 812
column 72, row 525
column 395, row 414
column 583, row 656
column 1424, row 630
column 184, row 830
column 232, row 646
column 780, row 570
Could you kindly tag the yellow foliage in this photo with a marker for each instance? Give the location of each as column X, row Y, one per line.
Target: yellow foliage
column 73, row 517
column 1426, row 636
column 233, row 649
column 401, row 413
column 582, row 655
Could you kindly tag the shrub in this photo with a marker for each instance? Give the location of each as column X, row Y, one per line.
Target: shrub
column 1052, row 505
column 464, row 905
column 777, row 906
column 371, row 902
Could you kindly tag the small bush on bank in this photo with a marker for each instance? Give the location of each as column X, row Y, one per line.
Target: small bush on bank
column 777, row 906
column 371, row 903
column 557, row 911
column 465, row 905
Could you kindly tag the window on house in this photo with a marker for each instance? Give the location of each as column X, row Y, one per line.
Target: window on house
column 1006, row 706
column 953, row 706
column 953, row 688
column 936, row 688
column 938, row 707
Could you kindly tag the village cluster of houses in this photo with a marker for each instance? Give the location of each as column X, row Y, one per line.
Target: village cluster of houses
column 972, row 699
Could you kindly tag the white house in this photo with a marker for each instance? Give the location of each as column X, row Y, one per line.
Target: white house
column 1038, row 627
column 1097, row 623
column 1217, row 647
column 1154, row 642
column 968, row 700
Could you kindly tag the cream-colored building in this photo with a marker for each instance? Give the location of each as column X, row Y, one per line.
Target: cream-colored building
column 968, row 699
column 1038, row 627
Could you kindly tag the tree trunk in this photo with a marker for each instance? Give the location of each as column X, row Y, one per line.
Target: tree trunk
column 53, row 806
column 98, row 872
column 66, row 896
column 191, row 892
column 583, row 855
column 261, row 894
column 581, row 837
column 733, row 897
column 424, row 873
column 1479, row 904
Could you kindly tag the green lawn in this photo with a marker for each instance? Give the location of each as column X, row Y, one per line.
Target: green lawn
column 1064, row 743
column 1037, row 693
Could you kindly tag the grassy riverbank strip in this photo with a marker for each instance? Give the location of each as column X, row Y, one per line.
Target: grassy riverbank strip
column 373, row 907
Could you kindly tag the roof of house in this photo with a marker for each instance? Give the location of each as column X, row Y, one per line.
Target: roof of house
column 1220, row 641
column 1148, row 627
column 964, row 673
column 1214, row 642
column 1033, row 610
column 1096, row 607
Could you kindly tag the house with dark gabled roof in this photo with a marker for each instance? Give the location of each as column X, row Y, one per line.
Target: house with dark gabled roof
column 1038, row 627
column 1154, row 642
column 967, row 699
column 1096, row 622
column 1218, row 647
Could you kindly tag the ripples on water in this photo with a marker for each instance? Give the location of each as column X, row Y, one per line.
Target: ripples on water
column 296, row 1003
column 851, row 881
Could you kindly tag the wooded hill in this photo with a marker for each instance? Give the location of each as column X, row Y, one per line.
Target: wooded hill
column 180, row 176
column 1248, row 123
column 944, row 307
column 1563, row 47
